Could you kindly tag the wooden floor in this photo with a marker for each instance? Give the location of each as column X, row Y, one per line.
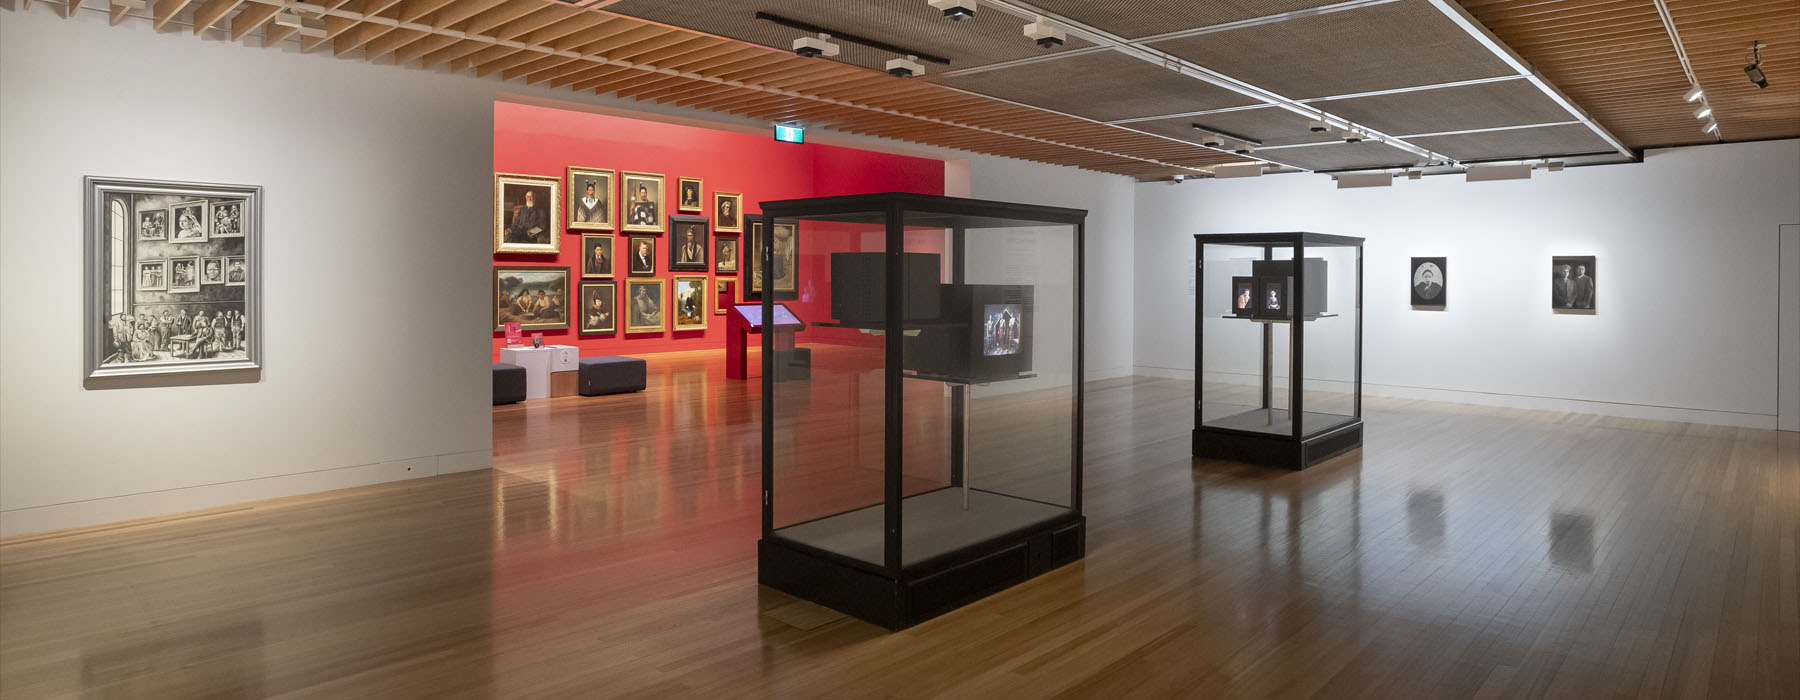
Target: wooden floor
column 1463, row 553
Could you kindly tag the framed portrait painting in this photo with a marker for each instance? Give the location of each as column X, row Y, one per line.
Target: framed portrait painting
column 688, row 242
column 524, row 220
column 783, row 277
column 535, row 297
column 640, row 259
column 687, row 198
column 690, row 302
column 644, row 302
column 599, row 302
column 591, row 203
column 597, row 256
column 643, row 193
column 725, row 255
column 1572, row 287
column 728, row 212
column 724, row 294
column 1429, row 284
column 158, row 260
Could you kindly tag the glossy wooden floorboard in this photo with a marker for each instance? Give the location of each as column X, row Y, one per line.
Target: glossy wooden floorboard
column 1465, row 552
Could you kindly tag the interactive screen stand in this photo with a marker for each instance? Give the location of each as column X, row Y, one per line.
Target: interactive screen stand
column 747, row 319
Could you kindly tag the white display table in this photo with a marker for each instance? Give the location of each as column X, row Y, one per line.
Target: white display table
column 536, row 362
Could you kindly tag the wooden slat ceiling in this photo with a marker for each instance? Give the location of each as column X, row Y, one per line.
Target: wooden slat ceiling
column 1612, row 57
column 1615, row 59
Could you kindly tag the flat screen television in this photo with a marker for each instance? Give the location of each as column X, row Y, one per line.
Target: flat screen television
column 859, row 288
column 983, row 333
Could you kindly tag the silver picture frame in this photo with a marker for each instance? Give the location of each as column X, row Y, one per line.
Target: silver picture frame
column 113, row 297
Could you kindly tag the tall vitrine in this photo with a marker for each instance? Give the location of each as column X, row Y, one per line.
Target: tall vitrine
column 929, row 452
column 1277, row 347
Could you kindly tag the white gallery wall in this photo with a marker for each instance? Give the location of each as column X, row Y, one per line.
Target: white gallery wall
column 1687, row 274
column 377, row 251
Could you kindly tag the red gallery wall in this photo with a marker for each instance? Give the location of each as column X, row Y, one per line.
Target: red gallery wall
column 534, row 140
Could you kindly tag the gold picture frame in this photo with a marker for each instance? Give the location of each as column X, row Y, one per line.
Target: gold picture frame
column 645, row 201
column 688, row 300
column 646, row 305
column 604, row 214
column 602, row 318
column 690, row 185
column 515, row 230
column 728, row 212
column 548, row 309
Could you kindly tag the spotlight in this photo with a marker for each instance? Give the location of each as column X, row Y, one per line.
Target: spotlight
column 1712, row 127
column 1318, row 126
column 958, row 10
column 1179, row 178
column 1244, row 149
column 815, row 47
column 1703, row 112
column 1047, row 35
column 1212, row 141
column 1351, row 136
column 905, row 67
column 1693, row 93
column 1754, row 70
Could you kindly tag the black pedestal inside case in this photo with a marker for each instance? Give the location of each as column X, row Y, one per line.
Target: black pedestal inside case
column 932, row 455
column 1277, row 347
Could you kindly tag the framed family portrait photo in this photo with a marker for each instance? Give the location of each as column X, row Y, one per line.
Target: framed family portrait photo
column 784, row 276
column 644, row 301
column 728, row 212
column 597, row 256
column 690, row 302
column 687, row 198
column 598, row 305
column 160, row 262
column 725, row 255
column 688, row 242
column 524, row 220
column 1429, row 290
column 1243, row 296
column 1572, row 287
column 591, row 203
column 641, row 260
column 643, row 193
column 535, row 297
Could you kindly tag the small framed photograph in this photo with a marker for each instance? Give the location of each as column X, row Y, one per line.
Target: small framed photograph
column 153, row 276
column 153, row 225
column 237, row 273
column 184, row 274
column 1272, row 297
column 688, row 197
column 784, row 276
column 1572, row 285
column 644, row 301
column 591, row 203
column 725, row 255
column 1429, row 284
column 212, row 270
column 227, row 219
column 641, row 260
column 523, row 218
column 690, row 302
column 597, row 256
column 728, row 212
column 598, row 303
column 643, row 194
column 1243, row 296
column 190, row 222
column 688, row 243
column 535, row 297
column 725, row 294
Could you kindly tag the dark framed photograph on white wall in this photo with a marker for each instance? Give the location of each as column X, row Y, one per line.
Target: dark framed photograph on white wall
column 1428, row 282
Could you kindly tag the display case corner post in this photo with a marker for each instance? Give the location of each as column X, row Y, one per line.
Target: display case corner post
column 1199, row 330
column 1297, row 342
column 1358, row 396
column 1080, row 362
column 894, row 385
column 766, row 253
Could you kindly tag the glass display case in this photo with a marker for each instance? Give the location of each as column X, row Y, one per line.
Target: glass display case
column 1277, row 347
column 921, row 437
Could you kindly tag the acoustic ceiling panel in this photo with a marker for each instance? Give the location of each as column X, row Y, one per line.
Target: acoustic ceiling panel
column 1136, row 20
column 1102, row 85
column 1379, row 47
column 1516, row 143
column 1342, row 156
column 990, row 37
column 1480, row 106
column 1272, row 126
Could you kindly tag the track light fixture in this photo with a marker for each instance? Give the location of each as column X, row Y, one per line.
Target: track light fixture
column 816, row 46
column 1351, row 136
column 1754, row 70
column 1318, row 126
column 1244, row 149
column 1047, row 35
column 1703, row 112
column 1179, row 178
column 958, row 10
column 1693, row 93
column 1712, row 127
column 905, row 67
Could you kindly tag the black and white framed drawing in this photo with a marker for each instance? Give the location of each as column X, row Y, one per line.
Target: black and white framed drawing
column 159, row 291
column 1428, row 282
column 1572, row 283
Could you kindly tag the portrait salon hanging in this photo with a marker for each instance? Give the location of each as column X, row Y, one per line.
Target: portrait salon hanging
column 173, row 277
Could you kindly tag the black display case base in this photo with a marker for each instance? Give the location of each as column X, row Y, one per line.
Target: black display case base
column 1277, row 450
column 925, row 590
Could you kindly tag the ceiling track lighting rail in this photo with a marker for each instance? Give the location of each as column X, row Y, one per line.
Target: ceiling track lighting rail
column 1694, row 94
column 878, row 45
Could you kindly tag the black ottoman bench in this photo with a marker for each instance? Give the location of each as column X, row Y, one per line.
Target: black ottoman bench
column 509, row 383
column 611, row 375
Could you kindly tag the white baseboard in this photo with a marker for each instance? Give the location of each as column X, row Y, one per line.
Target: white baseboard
column 1535, row 403
column 1095, row 375
column 59, row 516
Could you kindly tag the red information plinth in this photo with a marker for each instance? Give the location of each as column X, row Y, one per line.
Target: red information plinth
column 746, row 320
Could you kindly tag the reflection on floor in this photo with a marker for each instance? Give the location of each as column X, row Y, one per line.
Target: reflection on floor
column 1464, row 552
